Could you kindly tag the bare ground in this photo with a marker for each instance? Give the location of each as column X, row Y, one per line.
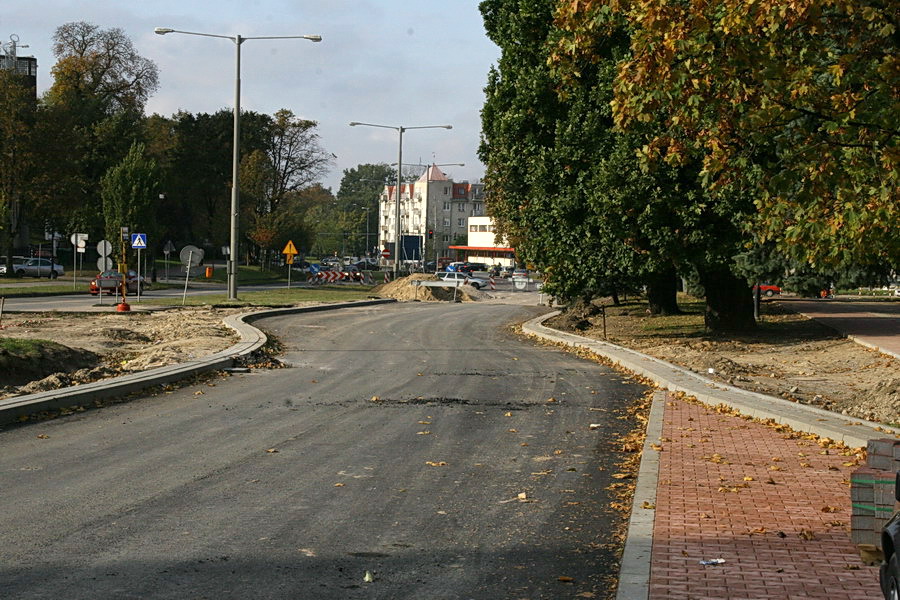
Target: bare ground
column 789, row 356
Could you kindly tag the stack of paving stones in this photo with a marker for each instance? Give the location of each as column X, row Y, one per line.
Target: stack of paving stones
column 873, row 497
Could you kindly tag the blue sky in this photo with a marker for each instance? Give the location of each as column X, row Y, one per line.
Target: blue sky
column 392, row 62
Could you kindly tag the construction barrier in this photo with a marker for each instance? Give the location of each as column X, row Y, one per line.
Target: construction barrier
column 493, row 284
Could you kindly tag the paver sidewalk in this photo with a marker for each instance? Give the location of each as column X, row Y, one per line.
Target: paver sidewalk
column 775, row 507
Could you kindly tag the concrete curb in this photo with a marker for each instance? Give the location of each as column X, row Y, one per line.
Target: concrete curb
column 251, row 339
column 801, row 417
column 634, row 570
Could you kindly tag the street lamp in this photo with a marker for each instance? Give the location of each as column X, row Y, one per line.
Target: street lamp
column 399, row 129
column 236, row 154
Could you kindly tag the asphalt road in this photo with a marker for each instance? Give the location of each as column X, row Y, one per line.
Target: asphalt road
column 415, row 442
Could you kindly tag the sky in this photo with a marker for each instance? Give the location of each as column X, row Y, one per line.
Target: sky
column 389, row 62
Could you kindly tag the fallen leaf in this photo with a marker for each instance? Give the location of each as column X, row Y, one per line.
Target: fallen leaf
column 565, row 579
column 523, row 496
column 551, row 400
column 748, row 478
column 656, row 447
column 375, row 398
column 648, row 505
column 509, row 414
column 339, row 485
column 435, row 464
column 423, row 433
column 621, row 476
column 807, row 534
column 831, row 509
column 43, row 436
column 272, row 450
column 424, row 422
column 198, row 393
column 513, row 430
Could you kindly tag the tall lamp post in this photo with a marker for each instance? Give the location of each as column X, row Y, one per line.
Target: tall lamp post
column 236, row 154
column 399, row 129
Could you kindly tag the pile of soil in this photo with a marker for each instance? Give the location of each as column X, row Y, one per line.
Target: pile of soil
column 87, row 347
column 21, row 366
column 403, row 289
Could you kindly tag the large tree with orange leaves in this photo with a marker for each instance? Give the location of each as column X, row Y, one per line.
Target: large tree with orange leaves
column 796, row 101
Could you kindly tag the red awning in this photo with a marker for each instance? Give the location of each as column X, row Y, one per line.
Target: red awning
column 482, row 249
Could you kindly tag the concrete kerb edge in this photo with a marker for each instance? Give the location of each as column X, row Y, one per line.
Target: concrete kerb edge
column 12, row 409
column 634, row 569
column 801, row 417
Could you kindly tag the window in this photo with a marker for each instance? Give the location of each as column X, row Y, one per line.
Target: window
column 461, row 222
column 477, row 207
column 446, row 238
column 482, row 228
column 446, row 222
column 446, row 190
column 473, row 228
column 446, row 206
column 462, row 207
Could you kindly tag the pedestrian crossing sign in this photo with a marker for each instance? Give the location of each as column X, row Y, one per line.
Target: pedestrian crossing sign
column 139, row 241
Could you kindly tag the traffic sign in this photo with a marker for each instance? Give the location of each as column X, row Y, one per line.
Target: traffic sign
column 139, row 241
column 104, row 263
column 169, row 247
column 104, row 248
column 191, row 255
column 385, row 253
column 290, row 249
column 78, row 239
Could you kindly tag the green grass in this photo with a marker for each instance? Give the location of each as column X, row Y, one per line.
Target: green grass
column 284, row 297
column 22, row 346
column 48, row 290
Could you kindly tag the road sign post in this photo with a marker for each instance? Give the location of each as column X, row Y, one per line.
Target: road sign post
column 138, row 242
column 290, row 251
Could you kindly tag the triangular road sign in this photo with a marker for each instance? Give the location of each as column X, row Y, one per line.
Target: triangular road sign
column 290, row 248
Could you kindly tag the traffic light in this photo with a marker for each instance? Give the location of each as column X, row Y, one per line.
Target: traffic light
column 431, row 234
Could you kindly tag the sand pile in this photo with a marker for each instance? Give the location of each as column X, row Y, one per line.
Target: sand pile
column 403, row 289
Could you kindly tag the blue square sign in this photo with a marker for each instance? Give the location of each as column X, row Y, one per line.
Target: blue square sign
column 139, row 240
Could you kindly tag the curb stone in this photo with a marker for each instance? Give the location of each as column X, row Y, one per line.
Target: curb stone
column 251, row 339
column 800, row 417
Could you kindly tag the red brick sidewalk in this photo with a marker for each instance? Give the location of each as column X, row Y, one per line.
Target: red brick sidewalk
column 776, row 509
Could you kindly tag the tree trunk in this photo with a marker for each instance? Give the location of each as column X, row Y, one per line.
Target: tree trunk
column 615, row 298
column 729, row 302
column 662, row 290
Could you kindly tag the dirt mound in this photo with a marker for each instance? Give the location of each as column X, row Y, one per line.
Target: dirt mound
column 882, row 403
column 23, row 362
column 403, row 289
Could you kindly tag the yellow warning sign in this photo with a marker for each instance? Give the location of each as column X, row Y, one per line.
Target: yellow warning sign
column 290, row 249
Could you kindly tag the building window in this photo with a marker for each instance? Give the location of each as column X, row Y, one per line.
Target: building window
column 462, row 207
column 446, row 238
column 461, row 222
column 473, row 228
column 446, row 190
column 482, row 228
column 446, row 222
column 446, row 206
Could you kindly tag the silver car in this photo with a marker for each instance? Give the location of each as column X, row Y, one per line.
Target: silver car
column 38, row 267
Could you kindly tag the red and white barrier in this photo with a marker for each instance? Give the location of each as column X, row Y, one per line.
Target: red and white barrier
column 493, row 284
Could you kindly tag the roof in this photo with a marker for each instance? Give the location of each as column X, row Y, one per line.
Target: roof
column 432, row 173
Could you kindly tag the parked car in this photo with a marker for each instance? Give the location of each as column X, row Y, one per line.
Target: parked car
column 506, row 271
column 520, row 274
column 108, row 281
column 767, row 290
column 37, row 267
column 475, row 282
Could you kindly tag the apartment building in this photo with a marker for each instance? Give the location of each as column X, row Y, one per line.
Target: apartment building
column 434, row 215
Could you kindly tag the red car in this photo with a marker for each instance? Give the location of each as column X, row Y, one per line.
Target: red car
column 767, row 290
column 108, row 281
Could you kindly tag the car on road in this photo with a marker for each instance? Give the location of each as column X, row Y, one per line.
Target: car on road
column 108, row 281
column 767, row 290
column 36, row 267
column 475, row 282
column 520, row 274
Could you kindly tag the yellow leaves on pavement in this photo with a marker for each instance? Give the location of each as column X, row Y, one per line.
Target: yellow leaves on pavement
column 423, row 433
column 339, row 485
column 272, row 450
column 432, row 463
column 43, row 436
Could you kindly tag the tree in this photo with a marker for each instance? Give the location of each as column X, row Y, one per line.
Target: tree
column 128, row 191
column 17, row 119
column 297, row 157
column 360, row 189
column 792, row 101
column 568, row 191
column 96, row 101
column 100, row 70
